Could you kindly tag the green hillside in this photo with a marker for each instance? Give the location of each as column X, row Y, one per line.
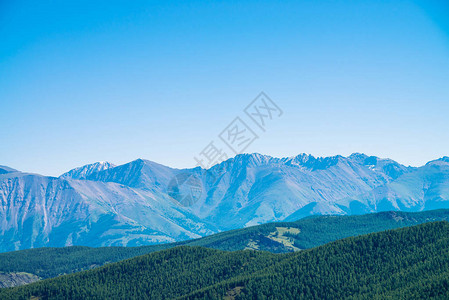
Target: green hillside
column 279, row 237
column 410, row 263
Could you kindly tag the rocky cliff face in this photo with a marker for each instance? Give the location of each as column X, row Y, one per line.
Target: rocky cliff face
column 16, row 279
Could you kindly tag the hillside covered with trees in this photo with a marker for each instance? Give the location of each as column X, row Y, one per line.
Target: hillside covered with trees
column 281, row 237
column 404, row 263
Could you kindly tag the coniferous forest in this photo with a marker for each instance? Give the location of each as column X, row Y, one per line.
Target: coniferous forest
column 407, row 263
column 311, row 232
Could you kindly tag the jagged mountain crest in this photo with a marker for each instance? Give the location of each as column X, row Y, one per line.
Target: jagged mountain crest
column 312, row 163
column 87, row 170
column 441, row 161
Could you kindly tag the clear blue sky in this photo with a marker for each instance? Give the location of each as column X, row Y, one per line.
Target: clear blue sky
column 84, row 81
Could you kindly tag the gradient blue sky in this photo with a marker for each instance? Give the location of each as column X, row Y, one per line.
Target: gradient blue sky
column 84, row 81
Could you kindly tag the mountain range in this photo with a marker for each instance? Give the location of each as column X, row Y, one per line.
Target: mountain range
column 143, row 203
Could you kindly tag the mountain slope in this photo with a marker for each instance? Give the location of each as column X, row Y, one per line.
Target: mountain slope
column 409, row 262
column 5, row 169
column 273, row 237
column 254, row 189
column 39, row 211
column 424, row 189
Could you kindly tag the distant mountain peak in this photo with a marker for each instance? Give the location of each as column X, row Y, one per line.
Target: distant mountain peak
column 252, row 159
column 141, row 161
column 444, row 158
column 87, row 170
column 358, row 156
column 441, row 161
column 303, row 157
column 311, row 162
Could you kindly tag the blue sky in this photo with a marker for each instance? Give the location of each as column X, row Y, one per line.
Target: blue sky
column 118, row 80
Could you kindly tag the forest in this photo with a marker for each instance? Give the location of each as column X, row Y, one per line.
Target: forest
column 408, row 263
column 313, row 232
